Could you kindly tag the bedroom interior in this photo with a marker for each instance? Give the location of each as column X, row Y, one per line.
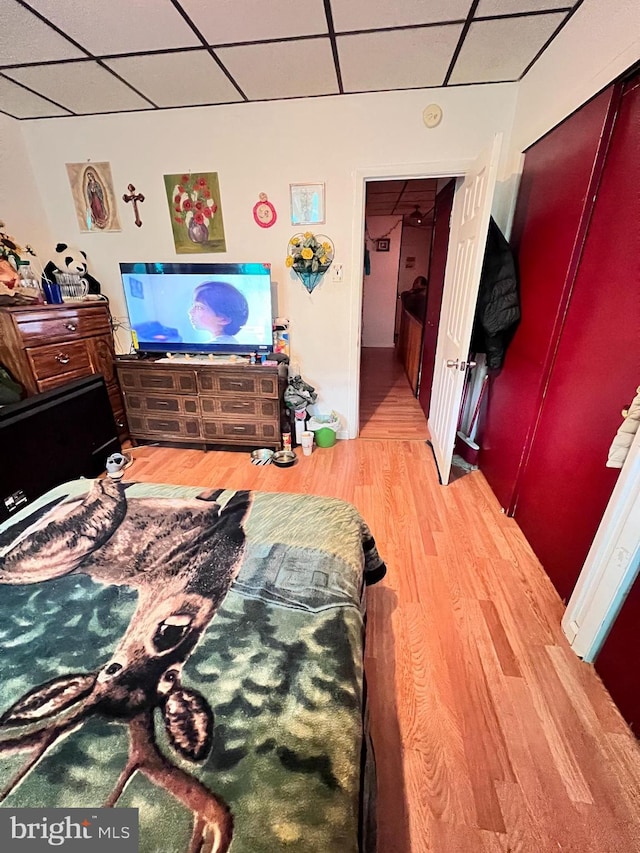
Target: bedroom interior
column 240, row 136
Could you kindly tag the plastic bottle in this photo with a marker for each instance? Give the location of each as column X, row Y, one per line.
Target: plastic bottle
column 286, row 439
column 29, row 282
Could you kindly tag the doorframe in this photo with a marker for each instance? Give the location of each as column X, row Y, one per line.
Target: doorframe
column 410, row 171
column 611, row 567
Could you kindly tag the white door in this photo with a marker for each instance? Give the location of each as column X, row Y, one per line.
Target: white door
column 467, row 239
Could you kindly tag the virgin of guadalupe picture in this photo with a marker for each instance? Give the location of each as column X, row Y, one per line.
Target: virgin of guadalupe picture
column 93, row 196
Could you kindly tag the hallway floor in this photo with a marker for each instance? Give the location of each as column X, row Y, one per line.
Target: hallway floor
column 388, row 409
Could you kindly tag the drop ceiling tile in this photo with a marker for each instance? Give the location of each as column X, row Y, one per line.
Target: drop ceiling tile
column 372, row 14
column 383, row 186
column 510, row 7
column 21, row 103
column 286, row 70
column 177, row 79
column 382, row 197
column 82, row 87
column 25, row 38
column 430, row 49
column 501, row 49
column 119, row 26
column 226, row 21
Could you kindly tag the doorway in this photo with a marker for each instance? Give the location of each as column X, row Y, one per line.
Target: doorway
column 470, row 215
column 399, row 233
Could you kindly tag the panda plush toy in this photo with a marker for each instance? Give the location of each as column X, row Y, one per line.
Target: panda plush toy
column 69, row 259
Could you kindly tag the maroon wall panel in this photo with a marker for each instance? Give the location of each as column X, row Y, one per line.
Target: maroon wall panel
column 551, row 216
column 617, row 663
column 565, row 486
column 437, row 266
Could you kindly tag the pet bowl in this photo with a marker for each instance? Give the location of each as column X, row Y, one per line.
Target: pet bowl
column 284, row 458
column 262, row 456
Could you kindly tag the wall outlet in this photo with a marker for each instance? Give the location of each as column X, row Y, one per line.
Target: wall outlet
column 337, row 272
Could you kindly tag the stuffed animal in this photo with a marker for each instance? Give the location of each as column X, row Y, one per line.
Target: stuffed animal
column 71, row 260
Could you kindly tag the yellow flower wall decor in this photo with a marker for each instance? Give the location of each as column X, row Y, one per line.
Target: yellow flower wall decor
column 309, row 256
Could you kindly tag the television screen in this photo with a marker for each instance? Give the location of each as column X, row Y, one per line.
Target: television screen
column 199, row 308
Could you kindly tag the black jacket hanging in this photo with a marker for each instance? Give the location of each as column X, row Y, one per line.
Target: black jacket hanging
column 498, row 306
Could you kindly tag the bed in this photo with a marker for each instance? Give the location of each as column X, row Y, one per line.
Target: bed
column 197, row 656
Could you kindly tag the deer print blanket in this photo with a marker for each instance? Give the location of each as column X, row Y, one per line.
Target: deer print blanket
column 197, row 656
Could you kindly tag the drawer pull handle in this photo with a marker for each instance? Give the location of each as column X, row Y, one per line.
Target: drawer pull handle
column 162, row 403
column 236, row 384
column 71, row 326
column 239, row 429
column 62, row 358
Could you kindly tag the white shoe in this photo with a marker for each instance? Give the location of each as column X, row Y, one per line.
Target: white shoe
column 116, row 464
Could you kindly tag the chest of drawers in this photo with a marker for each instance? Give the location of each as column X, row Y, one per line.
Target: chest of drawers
column 45, row 346
column 204, row 404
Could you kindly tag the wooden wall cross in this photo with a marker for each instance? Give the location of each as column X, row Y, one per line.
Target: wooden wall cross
column 135, row 198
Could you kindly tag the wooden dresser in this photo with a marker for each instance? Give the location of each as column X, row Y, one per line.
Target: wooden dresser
column 45, row 346
column 204, row 403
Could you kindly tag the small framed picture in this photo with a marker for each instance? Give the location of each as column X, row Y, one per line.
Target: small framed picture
column 307, row 204
column 382, row 245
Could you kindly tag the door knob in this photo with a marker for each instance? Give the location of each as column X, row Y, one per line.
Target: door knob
column 460, row 365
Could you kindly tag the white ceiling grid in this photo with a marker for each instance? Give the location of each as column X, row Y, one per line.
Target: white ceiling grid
column 84, row 57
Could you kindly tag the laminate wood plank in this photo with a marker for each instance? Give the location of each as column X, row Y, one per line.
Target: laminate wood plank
column 592, row 703
column 504, row 652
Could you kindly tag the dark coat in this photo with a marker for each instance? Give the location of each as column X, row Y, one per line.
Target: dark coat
column 498, row 306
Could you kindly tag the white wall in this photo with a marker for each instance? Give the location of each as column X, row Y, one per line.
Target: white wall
column 381, row 285
column 21, row 207
column 416, row 243
column 264, row 147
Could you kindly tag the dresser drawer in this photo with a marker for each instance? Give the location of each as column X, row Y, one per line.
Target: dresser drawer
column 242, row 382
column 56, row 359
column 157, row 379
column 238, row 407
column 60, row 379
column 156, row 404
column 238, row 432
column 159, row 426
column 44, row 326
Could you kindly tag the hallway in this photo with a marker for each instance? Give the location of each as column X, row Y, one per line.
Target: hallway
column 388, row 409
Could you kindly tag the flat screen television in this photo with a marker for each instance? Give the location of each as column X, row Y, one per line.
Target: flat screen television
column 199, row 308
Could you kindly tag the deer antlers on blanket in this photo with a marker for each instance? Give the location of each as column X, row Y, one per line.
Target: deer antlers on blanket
column 182, row 556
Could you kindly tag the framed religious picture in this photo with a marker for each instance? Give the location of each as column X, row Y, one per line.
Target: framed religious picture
column 93, row 196
column 307, row 204
column 196, row 212
column 382, row 245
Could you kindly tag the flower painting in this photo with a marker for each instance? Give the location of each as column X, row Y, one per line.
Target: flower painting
column 93, row 196
column 196, row 212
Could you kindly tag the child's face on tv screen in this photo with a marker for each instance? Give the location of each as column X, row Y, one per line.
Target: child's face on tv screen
column 204, row 318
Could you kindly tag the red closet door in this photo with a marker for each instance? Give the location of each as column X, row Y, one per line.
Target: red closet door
column 565, row 485
column 554, row 201
column 617, row 663
column 437, row 266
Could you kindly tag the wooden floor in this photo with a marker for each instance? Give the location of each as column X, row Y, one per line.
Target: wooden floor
column 388, row 408
column 490, row 735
